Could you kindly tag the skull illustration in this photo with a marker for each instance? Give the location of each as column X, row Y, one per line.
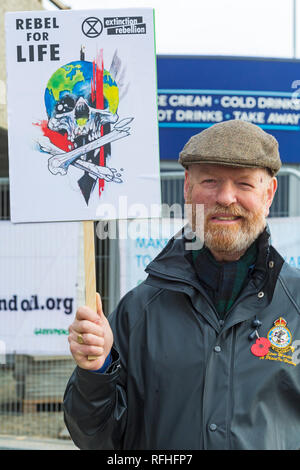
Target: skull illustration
column 72, row 101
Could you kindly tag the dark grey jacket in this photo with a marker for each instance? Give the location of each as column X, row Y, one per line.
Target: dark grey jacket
column 182, row 379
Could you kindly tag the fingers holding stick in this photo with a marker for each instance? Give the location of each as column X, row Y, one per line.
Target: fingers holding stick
column 100, row 313
column 90, row 336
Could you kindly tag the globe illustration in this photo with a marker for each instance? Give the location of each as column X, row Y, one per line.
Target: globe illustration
column 78, row 79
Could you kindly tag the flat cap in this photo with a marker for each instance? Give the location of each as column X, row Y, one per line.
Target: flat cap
column 234, row 143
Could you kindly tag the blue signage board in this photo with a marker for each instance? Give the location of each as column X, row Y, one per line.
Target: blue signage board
column 195, row 92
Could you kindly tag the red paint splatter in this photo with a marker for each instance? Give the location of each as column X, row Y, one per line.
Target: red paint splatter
column 56, row 138
column 98, row 97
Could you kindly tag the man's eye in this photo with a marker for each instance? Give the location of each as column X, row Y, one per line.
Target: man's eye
column 209, row 181
column 246, row 184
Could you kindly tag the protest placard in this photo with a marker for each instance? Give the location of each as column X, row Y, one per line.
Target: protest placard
column 82, row 114
column 82, row 118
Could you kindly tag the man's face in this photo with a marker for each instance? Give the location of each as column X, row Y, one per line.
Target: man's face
column 236, row 203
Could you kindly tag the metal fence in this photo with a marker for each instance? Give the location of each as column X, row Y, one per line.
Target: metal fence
column 31, row 391
column 31, row 388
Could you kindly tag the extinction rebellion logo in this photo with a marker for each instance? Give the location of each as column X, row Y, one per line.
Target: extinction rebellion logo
column 125, row 25
column 93, row 27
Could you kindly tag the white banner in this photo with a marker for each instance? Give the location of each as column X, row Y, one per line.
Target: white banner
column 285, row 237
column 82, row 114
column 38, row 286
column 145, row 241
column 141, row 247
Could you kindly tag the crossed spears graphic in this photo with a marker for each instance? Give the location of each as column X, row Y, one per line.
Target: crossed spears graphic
column 60, row 161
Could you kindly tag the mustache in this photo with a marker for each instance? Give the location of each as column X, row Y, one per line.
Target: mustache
column 234, row 210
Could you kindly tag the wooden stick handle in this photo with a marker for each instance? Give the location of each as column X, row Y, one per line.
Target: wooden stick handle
column 89, row 264
column 90, row 268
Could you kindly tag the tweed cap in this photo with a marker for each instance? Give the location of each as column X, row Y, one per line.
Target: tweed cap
column 233, row 143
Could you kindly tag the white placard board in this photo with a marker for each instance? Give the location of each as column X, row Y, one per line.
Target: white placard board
column 38, row 286
column 82, row 114
column 137, row 251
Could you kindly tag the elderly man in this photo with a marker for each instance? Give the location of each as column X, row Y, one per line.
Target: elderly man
column 202, row 354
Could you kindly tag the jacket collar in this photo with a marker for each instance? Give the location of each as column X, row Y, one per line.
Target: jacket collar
column 224, row 280
column 174, row 264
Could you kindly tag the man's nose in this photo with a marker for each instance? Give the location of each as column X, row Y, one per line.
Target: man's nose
column 226, row 194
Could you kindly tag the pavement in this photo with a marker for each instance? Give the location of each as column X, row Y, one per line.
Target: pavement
column 8, row 442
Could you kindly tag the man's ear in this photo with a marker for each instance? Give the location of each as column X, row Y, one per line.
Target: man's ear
column 272, row 187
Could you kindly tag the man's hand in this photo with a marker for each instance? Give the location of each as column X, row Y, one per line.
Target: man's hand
column 93, row 328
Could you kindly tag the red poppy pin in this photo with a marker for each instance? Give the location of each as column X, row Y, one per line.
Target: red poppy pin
column 261, row 347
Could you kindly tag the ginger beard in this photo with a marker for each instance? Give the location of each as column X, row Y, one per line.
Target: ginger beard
column 228, row 238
